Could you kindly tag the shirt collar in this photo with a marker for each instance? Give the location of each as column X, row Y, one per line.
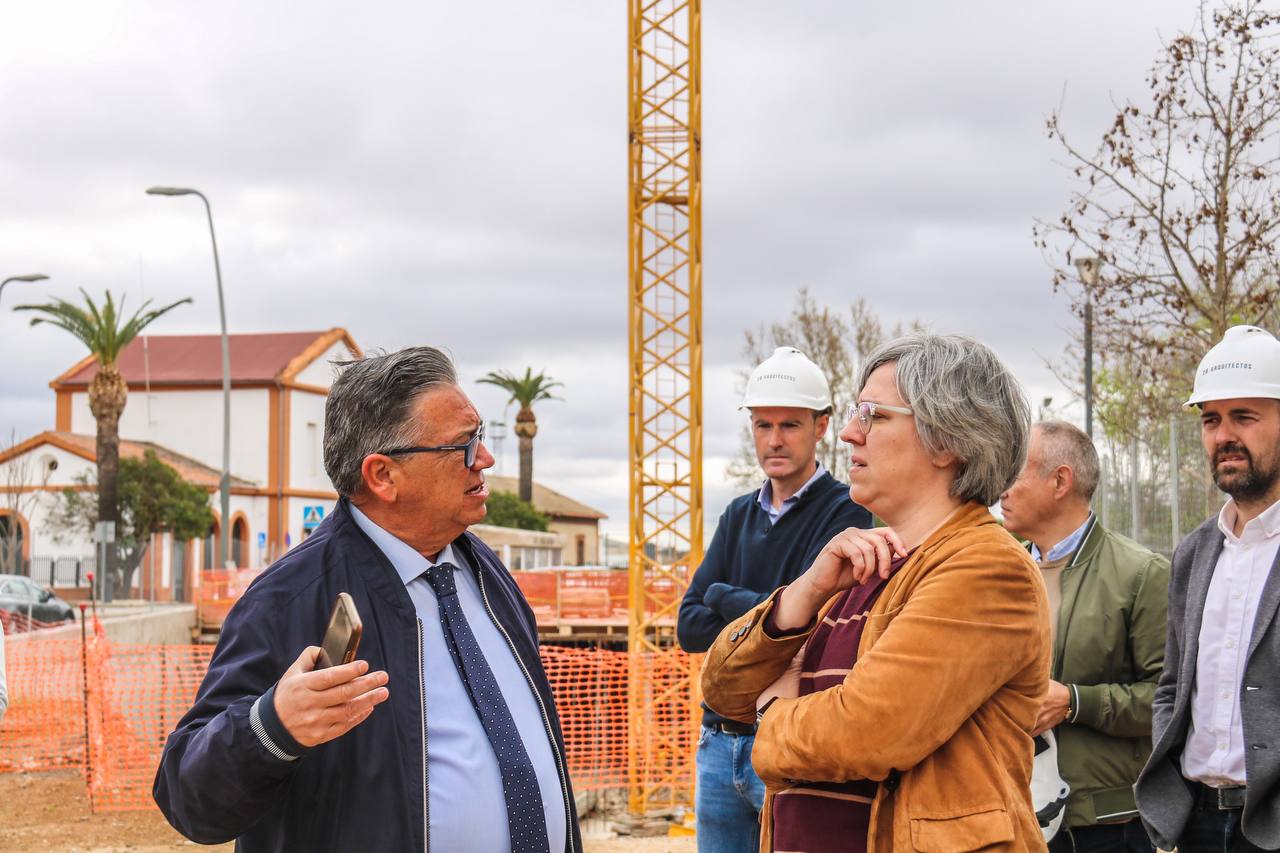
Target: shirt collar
column 1264, row 526
column 408, row 563
column 1066, row 546
column 766, row 491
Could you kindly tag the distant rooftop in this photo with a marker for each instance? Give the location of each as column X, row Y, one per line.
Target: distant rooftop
column 197, row 359
column 85, row 446
column 545, row 500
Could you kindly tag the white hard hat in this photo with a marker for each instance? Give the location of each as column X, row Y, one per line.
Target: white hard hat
column 1049, row 791
column 1245, row 363
column 787, row 378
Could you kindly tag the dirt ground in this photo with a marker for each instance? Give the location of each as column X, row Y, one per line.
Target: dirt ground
column 42, row 812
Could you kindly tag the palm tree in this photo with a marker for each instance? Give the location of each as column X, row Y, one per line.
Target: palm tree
column 106, row 333
column 525, row 390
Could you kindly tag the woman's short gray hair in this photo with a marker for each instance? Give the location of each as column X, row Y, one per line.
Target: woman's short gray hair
column 370, row 408
column 966, row 403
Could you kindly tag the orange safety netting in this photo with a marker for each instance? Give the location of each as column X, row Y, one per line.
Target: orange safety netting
column 12, row 622
column 137, row 693
column 560, row 596
column 219, row 589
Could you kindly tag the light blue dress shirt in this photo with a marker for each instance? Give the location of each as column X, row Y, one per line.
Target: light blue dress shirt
column 1066, row 546
column 467, row 809
column 766, row 496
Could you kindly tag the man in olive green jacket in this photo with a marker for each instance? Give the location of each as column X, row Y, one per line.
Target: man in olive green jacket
column 1108, row 600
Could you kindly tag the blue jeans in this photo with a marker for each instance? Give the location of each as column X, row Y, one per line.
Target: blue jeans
column 1214, row 831
column 730, row 794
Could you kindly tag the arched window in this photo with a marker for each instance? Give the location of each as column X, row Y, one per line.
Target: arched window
column 240, row 543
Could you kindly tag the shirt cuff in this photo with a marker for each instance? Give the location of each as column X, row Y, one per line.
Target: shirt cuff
column 275, row 738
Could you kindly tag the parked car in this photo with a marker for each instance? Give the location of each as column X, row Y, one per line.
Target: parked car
column 20, row 594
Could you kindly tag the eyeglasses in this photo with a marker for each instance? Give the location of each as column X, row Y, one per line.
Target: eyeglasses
column 866, row 411
column 468, row 449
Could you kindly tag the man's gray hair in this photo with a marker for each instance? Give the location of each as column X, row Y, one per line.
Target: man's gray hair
column 966, row 403
column 1067, row 444
column 370, row 408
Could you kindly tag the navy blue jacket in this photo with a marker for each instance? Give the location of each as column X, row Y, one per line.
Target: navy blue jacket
column 749, row 558
column 225, row 773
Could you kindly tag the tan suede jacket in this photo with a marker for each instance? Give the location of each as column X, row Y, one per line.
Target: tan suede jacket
column 952, row 667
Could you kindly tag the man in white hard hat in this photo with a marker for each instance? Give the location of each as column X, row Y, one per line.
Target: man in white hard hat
column 764, row 540
column 1213, row 779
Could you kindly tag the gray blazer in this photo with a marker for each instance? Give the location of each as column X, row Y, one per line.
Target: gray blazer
column 1164, row 797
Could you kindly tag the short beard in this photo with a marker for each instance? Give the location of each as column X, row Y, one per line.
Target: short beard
column 1248, row 485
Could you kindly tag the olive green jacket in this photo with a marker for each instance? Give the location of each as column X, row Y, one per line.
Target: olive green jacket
column 1109, row 651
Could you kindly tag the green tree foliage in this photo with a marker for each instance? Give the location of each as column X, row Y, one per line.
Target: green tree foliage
column 507, row 510
column 153, row 499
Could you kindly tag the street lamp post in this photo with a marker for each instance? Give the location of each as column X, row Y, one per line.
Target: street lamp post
column 1088, row 269
column 224, row 486
column 36, row 276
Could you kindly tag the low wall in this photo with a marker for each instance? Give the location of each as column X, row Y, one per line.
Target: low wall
column 158, row 625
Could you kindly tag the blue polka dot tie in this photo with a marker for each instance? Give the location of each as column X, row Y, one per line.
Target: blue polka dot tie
column 525, row 819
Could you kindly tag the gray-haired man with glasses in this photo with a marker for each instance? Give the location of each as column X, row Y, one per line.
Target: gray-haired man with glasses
column 443, row 734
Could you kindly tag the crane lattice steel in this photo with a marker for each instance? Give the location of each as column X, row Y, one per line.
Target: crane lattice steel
column 665, row 334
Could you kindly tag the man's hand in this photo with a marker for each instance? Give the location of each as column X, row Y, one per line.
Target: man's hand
column 317, row 706
column 850, row 558
column 1055, row 709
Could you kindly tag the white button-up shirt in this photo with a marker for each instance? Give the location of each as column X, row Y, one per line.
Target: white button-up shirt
column 1215, row 747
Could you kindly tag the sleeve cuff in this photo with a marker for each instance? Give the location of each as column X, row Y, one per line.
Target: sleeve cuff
column 1084, row 703
column 275, row 738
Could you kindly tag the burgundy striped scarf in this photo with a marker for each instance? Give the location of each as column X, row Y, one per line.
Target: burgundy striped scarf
column 823, row 816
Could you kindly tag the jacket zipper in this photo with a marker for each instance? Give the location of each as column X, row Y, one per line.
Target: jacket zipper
column 422, row 697
column 546, row 720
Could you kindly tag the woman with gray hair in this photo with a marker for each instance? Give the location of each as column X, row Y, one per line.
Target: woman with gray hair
column 896, row 681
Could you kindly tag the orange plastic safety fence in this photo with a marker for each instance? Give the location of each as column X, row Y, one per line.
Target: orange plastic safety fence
column 19, row 623
column 137, row 693
column 44, row 726
column 220, row 589
column 559, row 596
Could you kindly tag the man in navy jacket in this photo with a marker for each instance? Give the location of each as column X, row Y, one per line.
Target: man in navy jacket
column 396, row 750
column 764, row 540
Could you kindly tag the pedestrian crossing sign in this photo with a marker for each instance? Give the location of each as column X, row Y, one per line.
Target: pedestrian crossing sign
column 312, row 516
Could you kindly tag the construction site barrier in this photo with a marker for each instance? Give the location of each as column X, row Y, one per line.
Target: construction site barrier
column 557, row 595
column 568, row 595
column 14, row 622
column 106, row 708
column 218, row 590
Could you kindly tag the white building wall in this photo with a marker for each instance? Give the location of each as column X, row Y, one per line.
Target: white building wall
column 306, row 442
column 294, row 509
column 190, row 423
column 320, row 371
column 39, row 505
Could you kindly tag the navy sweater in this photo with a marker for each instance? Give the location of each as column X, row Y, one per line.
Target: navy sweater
column 749, row 558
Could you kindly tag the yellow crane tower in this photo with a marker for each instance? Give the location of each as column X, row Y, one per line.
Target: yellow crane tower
column 665, row 335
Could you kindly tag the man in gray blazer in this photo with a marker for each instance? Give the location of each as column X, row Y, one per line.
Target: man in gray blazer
column 1213, row 779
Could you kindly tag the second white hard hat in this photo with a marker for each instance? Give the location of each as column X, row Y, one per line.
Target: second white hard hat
column 787, row 378
column 1245, row 363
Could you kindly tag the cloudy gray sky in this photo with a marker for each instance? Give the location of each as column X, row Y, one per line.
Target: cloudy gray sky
column 455, row 174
